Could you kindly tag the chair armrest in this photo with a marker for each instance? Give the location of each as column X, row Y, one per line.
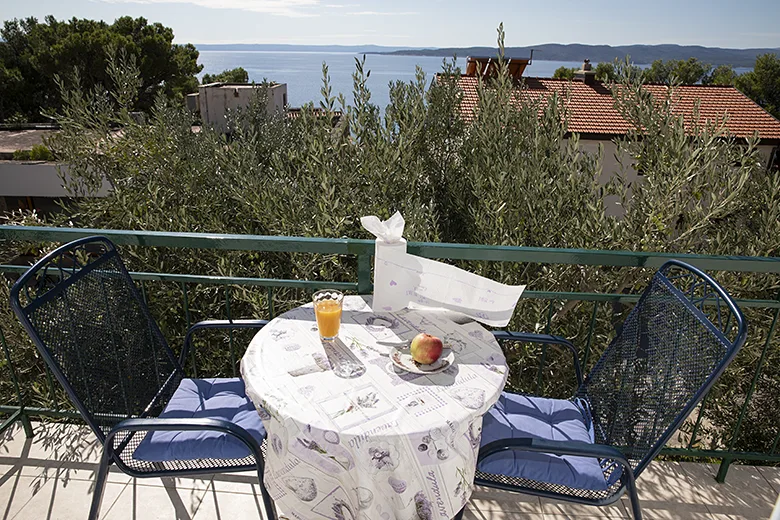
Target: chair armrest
column 179, row 424
column 216, row 324
column 546, row 339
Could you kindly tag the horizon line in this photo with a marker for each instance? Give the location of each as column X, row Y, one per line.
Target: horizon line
column 429, row 48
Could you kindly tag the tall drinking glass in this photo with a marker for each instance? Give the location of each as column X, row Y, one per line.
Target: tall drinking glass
column 327, row 309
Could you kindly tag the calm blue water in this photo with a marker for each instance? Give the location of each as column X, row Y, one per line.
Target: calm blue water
column 302, row 71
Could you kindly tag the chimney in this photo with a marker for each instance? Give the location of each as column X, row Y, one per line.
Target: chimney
column 586, row 74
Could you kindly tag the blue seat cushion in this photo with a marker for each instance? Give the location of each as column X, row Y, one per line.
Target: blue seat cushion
column 219, row 398
column 520, row 416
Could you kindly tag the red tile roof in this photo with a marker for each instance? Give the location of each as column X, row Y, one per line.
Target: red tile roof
column 591, row 107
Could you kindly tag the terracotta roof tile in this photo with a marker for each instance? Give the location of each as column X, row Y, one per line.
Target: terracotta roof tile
column 591, row 110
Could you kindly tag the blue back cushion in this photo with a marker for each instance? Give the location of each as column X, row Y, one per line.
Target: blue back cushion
column 520, row 416
column 204, row 398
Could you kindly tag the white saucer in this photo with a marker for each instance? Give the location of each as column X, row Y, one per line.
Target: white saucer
column 403, row 360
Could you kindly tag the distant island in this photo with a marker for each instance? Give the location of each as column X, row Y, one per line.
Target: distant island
column 640, row 54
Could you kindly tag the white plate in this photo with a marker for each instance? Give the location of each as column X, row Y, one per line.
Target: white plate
column 402, row 358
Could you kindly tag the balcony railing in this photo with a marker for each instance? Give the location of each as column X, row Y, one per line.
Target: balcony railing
column 363, row 250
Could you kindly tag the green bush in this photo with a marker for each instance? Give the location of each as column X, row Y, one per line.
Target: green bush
column 237, row 75
column 21, row 155
column 512, row 175
column 40, row 152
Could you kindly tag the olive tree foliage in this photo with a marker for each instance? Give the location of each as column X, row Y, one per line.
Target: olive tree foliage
column 509, row 173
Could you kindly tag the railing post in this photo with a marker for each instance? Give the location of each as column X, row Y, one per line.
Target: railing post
column 28, row 431
column 186, row 300
column 724, row 465
column 586, row 355
column 270, row 296
column 364, row 273
column 543, row 361
column 774, row 444
column 230, row 332
column 696, row 426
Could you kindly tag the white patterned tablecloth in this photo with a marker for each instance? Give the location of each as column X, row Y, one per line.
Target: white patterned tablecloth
column 385, row 445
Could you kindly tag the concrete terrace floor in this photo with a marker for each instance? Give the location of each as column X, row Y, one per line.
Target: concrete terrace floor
column 50, row 477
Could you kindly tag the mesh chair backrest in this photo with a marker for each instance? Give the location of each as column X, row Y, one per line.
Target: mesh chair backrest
column 676, row 341
column 93, row 329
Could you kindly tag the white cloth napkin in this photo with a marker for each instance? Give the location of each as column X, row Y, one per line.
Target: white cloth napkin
column 401, row 279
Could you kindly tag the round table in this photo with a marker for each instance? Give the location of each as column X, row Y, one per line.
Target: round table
column 384, row 443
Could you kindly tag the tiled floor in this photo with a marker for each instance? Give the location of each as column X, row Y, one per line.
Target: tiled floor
column 50, row 477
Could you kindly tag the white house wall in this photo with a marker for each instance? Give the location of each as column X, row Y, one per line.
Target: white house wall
column 25, row 179
column 610, row 165
column 216, row 101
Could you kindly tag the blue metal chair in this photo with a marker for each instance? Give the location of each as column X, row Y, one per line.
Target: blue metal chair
column 94, row 331
column 589, row 449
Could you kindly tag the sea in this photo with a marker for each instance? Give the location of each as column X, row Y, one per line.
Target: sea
column 302, row 71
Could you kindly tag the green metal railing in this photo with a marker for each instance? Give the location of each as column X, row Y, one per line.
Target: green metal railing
column 363, row 251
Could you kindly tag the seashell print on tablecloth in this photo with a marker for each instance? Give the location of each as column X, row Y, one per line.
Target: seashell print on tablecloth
column 279, row 334
column 306, row 391
column 423, row 506
column 382, row 457
column 303, row 487
column 455, row 343
column 276, row 444
column 473, row 398
column 364, row 496
column 331, row 436
column 474, row 434
column 398, row 485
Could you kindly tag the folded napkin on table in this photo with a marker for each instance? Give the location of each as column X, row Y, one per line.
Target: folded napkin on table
column 401, row 279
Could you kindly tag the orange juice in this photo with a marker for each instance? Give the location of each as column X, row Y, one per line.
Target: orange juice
column 328, row 314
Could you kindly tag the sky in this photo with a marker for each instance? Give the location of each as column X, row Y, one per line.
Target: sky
column 437, row 23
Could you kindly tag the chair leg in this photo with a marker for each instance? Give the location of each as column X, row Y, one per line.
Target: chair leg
column 632, row 495
column 100, row 484
column 268, row 504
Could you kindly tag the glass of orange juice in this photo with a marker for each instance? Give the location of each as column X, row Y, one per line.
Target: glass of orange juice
column 327, row 309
